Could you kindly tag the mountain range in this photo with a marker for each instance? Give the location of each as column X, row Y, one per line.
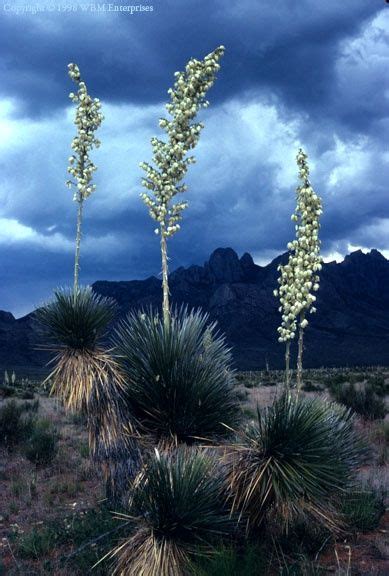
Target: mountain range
column 351, row 326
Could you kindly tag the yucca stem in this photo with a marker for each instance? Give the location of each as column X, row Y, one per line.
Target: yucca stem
column 165, row 279
column 287, row 365
column 300, row 354
column 78, row 243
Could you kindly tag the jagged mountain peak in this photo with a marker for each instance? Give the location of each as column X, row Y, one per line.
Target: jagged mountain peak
column 351, row 326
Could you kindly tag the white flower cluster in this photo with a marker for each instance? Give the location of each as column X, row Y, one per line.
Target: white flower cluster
column 299, row 278
column 88, row 119
column 187, row 98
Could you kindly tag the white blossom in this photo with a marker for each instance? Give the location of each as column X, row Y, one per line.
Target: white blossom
column 297, row 278
column 87, row 120
column 170, row 164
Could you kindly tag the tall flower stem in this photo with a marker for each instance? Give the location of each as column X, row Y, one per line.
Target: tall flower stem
column 300, row 354
column 163, row 179
column 165, row 280
column 78, row 244
column 87, row 120
column 287, row 365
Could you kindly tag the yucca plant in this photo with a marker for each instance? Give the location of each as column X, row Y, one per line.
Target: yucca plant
column 163, row 180
column 87, row 120
column 178, row 507
column 294, row 461
column 180, row 383
column 299, row 277
column 86, row 376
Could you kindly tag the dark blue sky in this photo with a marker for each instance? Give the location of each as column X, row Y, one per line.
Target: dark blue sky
column 295, row 73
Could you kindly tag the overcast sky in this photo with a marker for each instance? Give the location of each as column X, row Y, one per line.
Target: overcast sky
column 295, row 73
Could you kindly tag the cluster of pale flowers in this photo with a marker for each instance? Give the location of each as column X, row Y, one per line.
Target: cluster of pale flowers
column 88, row 119
column 187, row 98
column 299, row 278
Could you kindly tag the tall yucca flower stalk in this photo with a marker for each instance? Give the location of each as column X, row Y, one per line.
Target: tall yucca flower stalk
column 88, row 119
column 170, row 156
column 299, row 278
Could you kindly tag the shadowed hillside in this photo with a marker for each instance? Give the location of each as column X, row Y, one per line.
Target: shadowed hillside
column 351, row 326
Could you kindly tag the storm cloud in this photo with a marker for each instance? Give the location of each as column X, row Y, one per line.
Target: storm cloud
column 298, row 73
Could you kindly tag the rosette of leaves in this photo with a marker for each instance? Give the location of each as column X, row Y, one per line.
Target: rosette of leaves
column 86, row 376
column 177, row 509
column 296, row 459
column 180, row 383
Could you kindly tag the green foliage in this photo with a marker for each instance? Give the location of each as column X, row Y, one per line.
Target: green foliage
column 7, row 391
column 363, row 401
column 180, row 383
column 303, row 566
column 37, row 543
column 90, row 534
column 178, row 504
column 84, row 450
column 30, row 406
column 309, row 386
column 14, row 425
column 292, row 462
column 363, row 509
column 377, row 383
column 227, row 561
column 42, row 445
column 76, row 319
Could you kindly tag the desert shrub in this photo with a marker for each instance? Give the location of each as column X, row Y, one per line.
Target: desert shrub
column 309, row 386
column 25, row 394
column 37, row 543
column 42, row 445
column 377, row 383
column 363, row 401
column 30, row 406
column 302, row 566
column 7, row 391
column 385, row 431
column 298, row 455
column 180, row 383
column 228, row 561
column 241, row 395
column 363, row 509
column 178, row 504
column 15, row 426
column 334, row 380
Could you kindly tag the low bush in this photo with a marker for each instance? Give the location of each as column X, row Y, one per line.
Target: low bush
column 309, row 386
column 42, row 445
column 363, row 401
column 25, row 394
column 37, row 543
column 7, row 391
column 15, row 426
column 30, row 406
column 363, row 509
column 228, row 561
column 378, row 384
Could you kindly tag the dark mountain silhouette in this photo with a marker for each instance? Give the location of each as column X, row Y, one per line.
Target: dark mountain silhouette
column 351, row 326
